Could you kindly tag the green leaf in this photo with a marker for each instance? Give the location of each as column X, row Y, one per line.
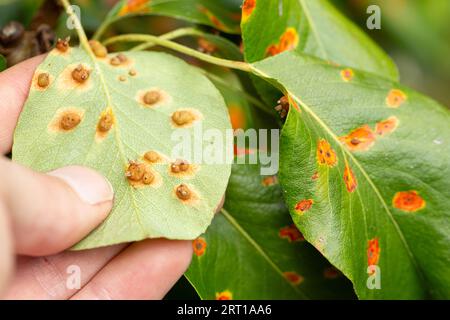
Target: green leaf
column 217, row 15
column 2, row 63
column 395, row 213
column 243, row 254
column 140, row 211
column 313, row 27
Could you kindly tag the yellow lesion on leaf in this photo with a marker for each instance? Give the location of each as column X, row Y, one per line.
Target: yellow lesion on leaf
column 224, row 295
column 135, row 6
column 387, row 126
column 247, row 8
column 326, row 154
column 288, row 41
column 347, row 74
column 154, row 157
column 409, row 201
column 395, row 98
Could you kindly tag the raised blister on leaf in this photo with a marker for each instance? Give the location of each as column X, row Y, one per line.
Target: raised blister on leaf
column 66, row 119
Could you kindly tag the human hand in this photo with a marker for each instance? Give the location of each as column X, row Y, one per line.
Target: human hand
column 43, row 214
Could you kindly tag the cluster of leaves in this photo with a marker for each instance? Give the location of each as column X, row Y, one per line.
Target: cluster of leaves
column 363, row 160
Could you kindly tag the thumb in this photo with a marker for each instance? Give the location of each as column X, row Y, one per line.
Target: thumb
column 51, row 212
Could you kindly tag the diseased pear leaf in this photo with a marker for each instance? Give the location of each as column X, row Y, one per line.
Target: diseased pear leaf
column 313, row 27
column 253, row 250
column 365, row 165
column 129, row 104
column 218, row 15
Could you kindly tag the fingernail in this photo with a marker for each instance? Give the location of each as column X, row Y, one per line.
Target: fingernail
column 90, row 186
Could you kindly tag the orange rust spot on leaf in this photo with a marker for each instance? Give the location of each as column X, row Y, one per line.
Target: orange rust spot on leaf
column 373, row 252
column 293, row 277
column 291, row 233
column 152, row 98
column 269, row 181
column 325, row 154
column 347, row 75
column 247, row 8
column 224, row 295
column 409, row 201
column 360, row 139
column 199, row 246
column 104, row 124
column 141, row 175
column 349, row 179
column 80, row 74
column 395, row 98
column 304, row 205
column 288, row 41
column 386, row 126
column 315, row 176
column 237, row 117
column 76, row 76
column 135, row 6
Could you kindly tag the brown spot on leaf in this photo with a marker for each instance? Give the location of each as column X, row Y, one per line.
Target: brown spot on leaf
column 135, row 171
column 387, row 126
column 409, row 201
column 43, row 80
column 62, row 46
column 119, row 60
column 80, row 74
column 104, row 124
column 291, row 233
column 325, row 154
column 182, row 169
column 360, row 139
column 395, row 98
column 142, row 175
column 183, row 192
column 66, row 120
column 153, row 157
column 332, row 273
column 206, row 46
column 185, row 118
column 132, row 72
column 303, row 205
column 293, row 277
column 152, row 97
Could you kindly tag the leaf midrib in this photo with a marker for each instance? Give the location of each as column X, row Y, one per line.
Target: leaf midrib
column 313, row 28
column 259, row 249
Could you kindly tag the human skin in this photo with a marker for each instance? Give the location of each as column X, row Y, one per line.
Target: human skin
column 42, row 214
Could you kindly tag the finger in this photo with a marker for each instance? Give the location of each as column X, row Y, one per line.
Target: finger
column 51, row 212
column 145, row 270
column 52, row 277
column 13, row 93
column 6, row 255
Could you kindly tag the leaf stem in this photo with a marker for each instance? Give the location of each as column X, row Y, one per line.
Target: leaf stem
column 239, row 65
column 178, row 33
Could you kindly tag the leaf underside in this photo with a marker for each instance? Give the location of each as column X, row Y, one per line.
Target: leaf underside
column 253, row 241
column 140, row 211
column 392, row 209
